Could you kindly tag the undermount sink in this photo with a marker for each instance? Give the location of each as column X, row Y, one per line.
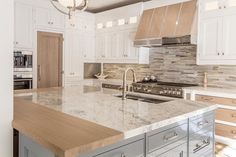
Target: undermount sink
column 144, row 99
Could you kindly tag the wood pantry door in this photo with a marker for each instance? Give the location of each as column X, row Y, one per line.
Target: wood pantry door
column 50, row 46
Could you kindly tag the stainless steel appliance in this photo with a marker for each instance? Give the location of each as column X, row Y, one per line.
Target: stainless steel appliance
column 23, row 61
column 23, row 81
column 161, row 88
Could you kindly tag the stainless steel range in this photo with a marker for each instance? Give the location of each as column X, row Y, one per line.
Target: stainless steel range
column 161, row 88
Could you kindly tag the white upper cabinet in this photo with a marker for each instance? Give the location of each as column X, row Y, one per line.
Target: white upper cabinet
column 209, row 45
column 48, row 18
column 115, row 45
column 23, row 26
column 229, row 36
column 217, row 33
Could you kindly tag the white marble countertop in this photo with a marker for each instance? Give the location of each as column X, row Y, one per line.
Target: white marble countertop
column 102, row 107
column 212, row 91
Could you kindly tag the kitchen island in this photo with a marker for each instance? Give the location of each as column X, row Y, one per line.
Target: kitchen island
column 91, row 121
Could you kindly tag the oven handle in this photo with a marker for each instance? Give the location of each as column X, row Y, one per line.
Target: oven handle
column 39, row 72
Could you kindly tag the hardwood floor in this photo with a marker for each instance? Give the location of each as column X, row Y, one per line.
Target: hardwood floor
column 224, row 151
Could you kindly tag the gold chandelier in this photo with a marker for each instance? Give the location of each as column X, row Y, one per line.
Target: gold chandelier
column 69, row 6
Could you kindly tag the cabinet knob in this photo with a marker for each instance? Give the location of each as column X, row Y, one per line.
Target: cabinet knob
column 218, row 53
column 225, row 7
column 223, row 53
column 220, row 7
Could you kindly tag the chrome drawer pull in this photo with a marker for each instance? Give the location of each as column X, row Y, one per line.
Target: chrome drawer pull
column 202, row 145
column 170, row 137
column 202, row 123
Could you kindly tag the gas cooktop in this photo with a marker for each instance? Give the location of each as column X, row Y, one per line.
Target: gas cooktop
column 169, row 89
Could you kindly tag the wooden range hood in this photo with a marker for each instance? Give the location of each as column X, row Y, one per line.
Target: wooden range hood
column 168, row 25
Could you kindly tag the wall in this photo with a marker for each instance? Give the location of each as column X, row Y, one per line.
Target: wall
column 178, row 64
column 6, row 80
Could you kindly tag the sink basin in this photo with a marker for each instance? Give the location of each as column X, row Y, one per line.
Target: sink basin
column 144, row 99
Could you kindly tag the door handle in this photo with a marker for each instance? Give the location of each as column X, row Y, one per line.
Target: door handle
column 39, row 72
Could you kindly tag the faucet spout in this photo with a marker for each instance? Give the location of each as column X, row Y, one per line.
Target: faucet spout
column 125, row 81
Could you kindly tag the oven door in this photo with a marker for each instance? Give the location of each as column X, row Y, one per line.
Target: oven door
column 22, row 84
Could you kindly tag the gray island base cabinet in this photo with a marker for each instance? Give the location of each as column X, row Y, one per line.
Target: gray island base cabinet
column 193, row 137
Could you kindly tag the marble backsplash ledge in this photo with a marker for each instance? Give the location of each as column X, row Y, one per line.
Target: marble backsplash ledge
column 177, row 64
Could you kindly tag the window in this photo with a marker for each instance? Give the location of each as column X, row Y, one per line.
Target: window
column 133, row 19
column 121, row 22
column 109, row 24
column 99, row 26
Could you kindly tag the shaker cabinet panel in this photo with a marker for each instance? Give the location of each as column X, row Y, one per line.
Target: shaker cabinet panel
column 209, row 46
column 229, row 36
column 23, row 26
column 217, row 22
column 47, row 18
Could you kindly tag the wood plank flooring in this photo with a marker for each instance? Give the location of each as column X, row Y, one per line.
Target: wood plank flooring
column 225, row 151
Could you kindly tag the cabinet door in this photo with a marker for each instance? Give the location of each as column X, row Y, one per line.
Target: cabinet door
column 42, row 17
column 57, row 20
column 229, row 36
column 210, row 6
column 23, row 26
column 100, row 46
column 209, row 45
column 89, row 46
column 73, row 55
column 130, row 52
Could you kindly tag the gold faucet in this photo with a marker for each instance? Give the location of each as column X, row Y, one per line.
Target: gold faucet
column 125, row 80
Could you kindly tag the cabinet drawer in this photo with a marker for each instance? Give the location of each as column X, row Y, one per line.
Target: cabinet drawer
column 135, row 149
column 201, row 122
column 180, row 151
column 217, row 100
column 166, row 137
column 226, row 115
column 226, row 131
column 201, row 142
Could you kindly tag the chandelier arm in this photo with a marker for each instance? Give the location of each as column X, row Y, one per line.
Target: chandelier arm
column 84, row 7
column 66, row 13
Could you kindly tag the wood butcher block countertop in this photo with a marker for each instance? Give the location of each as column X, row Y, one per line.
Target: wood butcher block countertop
column 63, row 134
column 74, row 120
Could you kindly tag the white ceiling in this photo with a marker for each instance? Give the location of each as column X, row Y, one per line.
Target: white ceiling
column 102, row 5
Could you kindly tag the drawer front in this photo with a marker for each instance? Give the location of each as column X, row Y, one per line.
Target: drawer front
column 202, row 122
column 201, row 142
column 166, row 137
column 226, row 115
column 217, row 100
column 180, row 151
column 226, row 131
column 135, row 149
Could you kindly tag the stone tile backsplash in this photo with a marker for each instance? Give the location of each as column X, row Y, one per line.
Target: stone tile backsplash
column 177, row 64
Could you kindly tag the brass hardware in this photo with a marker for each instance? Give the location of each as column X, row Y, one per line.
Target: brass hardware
column 233, row 132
